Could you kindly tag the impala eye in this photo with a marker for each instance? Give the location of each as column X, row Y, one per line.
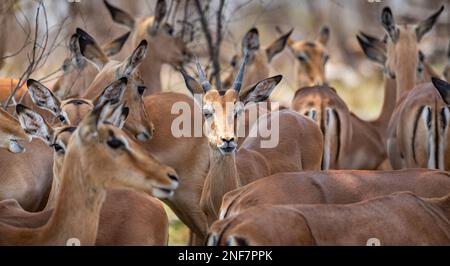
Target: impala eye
column 141, row 89
column 303, row 58
column 326, row 58
column 58, row 148
column 115, row 143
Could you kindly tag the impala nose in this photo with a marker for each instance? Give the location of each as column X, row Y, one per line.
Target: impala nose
column 228, row 145
column 173, row 177
column 227, row 141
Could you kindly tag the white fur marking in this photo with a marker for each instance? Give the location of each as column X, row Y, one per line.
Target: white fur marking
column 430, row 139
column 329, row 117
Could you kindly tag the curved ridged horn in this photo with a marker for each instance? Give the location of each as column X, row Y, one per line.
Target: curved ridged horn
column 238, row 81
column 203, row 80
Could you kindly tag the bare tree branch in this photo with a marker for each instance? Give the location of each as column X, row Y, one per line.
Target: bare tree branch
column 39, row 51
column 213, row 48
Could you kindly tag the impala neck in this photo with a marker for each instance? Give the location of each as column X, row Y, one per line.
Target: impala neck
column 405, row 76
column 388, row 107
column 54, row 190
column 302, row 78
column 221, row 178
column 77, row 211
column 150, row 69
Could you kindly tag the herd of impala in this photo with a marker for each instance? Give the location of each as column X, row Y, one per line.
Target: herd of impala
column 88, row 158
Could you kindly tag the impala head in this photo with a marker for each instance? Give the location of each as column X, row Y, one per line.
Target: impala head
column 106, row 151
column 312, row 57
column 72, row 111
column 77, row 72
column 402, row 46
column 109, row 153
column 222, row 108
column 160, row 36
column 258, row 58
column 138, row 122
column 375, row 50
column 11, row 132
column 58, row 137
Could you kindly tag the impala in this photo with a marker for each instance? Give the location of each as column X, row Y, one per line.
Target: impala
column 299, row 146
column 137, row 123
column 418, row 127
column 98, row 156
column 331, row 187
column 257, row 69
column 141, row 218
column 258, row 65
column 312, row 57
column 11, row 132
column 349, row 142
column 397, row 219
column 31, row 187
column 165, row 47
column 78, row 73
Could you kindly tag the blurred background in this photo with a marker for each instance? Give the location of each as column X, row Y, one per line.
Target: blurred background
column 357, row 80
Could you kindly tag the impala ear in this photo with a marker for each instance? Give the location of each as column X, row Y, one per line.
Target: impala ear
column 443, row 88
column 388, row 23
column 160, row 13
column 251, row 40
column 135, row 59
column 260, row 91
column 191, row 84
column 278, row 45
column 43, row 97
column 74, row 48
column 113, row 92
column 373, row 52
column 118, row 116
column 324, row 35
column 88, row 128
column 425, row 26
column 34, row 124
column 120, row 16
column 90, row 49
column 116, row 45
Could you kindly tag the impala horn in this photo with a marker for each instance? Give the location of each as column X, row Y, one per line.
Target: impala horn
column 203, row 80
column 238, row 81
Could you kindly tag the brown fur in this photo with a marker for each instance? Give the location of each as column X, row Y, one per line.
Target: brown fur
column 29, row 186
column 79, row 188
column 127, row 217
column 398, row 219
column 403, row 149
column 333, row 187
column 165, row 49
column 350, row 143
